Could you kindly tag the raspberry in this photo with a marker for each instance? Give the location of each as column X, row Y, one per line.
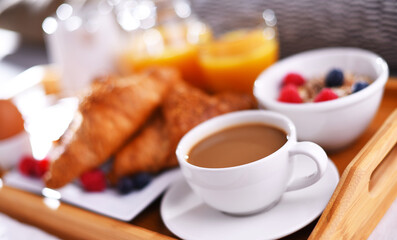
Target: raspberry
column 27, row 166
column 289, row 94
column 325, row 95
column 33, row 168
column 42, row 167
column 334, row 78
column 93, row 181
column 294, row 79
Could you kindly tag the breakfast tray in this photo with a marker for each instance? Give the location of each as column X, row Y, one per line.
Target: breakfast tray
column 70, row 222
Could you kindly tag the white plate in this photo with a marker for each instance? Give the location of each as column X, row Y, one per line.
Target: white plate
column 46, row 118
column 189, row 218
column 109, row 202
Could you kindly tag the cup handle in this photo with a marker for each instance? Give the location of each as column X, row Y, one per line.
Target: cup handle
column 318, row 155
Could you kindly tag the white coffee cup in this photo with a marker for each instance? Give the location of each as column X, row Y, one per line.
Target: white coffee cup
column 255, row 186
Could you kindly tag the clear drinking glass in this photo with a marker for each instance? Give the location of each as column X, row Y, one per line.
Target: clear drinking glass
column 164, row 33
column 235, row 59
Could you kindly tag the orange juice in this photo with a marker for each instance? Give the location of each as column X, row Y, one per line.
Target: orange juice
column 173, row 45
column 234, row 61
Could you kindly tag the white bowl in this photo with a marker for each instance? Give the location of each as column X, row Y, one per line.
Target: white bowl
column 13, row 149
column 331, row 124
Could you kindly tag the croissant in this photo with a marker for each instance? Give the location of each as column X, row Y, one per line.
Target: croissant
column 146, row 152
column 183, row 108
column 110, row 114
column 186, row 106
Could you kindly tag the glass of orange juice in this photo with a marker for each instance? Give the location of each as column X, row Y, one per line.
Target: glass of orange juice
column 233, row 61
column 169, row 36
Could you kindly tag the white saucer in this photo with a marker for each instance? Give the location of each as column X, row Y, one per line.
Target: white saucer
column 189, row 218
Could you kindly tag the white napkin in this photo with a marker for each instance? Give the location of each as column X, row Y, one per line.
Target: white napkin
column 387, row 227
column 10, row 229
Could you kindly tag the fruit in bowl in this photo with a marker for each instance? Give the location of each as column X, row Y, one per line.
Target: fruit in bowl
column 335, row 123
column 335, row 84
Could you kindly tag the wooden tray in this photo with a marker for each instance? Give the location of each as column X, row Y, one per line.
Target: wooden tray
column 69, row 222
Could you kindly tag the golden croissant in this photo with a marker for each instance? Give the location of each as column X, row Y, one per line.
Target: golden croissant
column 110, row 114
column 183, row 108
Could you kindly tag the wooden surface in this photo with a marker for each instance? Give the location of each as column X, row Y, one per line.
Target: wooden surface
column 388, row 105
column 69, row 222
column 66, row 221
column 366, row 189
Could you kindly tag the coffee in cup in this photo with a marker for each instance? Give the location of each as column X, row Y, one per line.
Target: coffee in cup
column 242, row 185
column 237, row 145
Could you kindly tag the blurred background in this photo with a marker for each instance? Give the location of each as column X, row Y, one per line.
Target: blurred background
column 302, row 25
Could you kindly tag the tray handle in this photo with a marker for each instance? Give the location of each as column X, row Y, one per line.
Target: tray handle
column 366, row 189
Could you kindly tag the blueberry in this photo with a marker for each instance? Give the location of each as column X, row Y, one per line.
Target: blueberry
column 359, row 86
column 334, row 78
column 142, row 179
column 126, row 185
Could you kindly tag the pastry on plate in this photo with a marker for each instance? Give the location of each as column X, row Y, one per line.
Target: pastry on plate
column 113, row 111
column 184, row 107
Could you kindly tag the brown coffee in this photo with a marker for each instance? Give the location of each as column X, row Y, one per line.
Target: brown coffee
column 237, row 145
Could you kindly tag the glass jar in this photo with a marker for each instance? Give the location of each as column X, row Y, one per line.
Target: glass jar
column 163, row 33
column 81, row 40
